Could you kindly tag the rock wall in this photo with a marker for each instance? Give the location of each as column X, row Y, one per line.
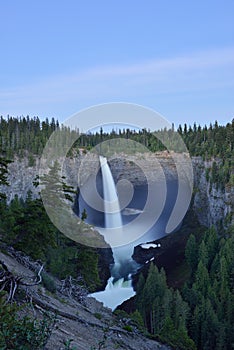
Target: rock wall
column 210, row 204
column 21, row 176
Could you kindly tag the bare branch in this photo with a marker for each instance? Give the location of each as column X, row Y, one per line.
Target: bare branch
column 10, row 282
column 37, row 282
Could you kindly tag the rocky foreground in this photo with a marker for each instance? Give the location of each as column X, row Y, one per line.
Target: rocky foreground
column 87, row 323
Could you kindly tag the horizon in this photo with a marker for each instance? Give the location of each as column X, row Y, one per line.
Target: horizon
column 116, row 127
column 175, row 58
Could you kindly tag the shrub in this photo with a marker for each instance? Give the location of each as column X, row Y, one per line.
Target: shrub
column 48, row 283
column 23, row 333
column 98, row 315
column 127, row 328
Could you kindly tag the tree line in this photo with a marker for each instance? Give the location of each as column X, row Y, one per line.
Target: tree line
column 27, row 136
column 31, row 134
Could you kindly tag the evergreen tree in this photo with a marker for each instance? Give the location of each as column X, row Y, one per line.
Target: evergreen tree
column 53, row 185
column 3, row 174
column 84, row 215
column 203, row 254
column 191, row 252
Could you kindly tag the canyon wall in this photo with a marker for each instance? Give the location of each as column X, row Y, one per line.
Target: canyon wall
column 210, row 203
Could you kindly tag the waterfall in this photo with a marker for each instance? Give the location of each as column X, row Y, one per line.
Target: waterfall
column 113, row 217
column 113, row 232
column 119, row 286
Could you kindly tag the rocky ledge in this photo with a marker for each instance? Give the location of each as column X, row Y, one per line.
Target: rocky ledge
column 87, row 323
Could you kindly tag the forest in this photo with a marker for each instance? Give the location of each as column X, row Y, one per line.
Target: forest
column 28, row 136
column 199, row 314
column 18, row 135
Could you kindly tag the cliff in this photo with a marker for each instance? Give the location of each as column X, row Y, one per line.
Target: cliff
column 210, row 203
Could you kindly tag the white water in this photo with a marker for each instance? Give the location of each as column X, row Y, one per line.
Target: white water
column 115, row 293
column 117, row 289
column 113, row 217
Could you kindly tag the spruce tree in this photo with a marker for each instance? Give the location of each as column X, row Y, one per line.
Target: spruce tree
column 3, row 174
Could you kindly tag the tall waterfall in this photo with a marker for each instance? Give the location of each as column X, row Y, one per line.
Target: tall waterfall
column 118, row 287
column 113, row 217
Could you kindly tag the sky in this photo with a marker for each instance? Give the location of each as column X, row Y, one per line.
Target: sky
column 176, row 57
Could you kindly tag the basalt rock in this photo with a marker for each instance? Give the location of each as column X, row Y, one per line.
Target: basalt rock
column 211, row 204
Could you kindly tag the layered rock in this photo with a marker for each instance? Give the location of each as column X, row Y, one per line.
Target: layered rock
column 210, row 203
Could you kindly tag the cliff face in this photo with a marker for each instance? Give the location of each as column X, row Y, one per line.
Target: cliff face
column 210, row 204
column 21, row 177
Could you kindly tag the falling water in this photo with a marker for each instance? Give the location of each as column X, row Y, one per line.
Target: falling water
column 113, row 217
column 119, row 286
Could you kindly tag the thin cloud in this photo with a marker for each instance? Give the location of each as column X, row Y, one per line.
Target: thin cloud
column 194, row 72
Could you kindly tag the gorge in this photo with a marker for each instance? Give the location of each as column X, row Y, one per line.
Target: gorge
column 109, row 275
column 209, row 203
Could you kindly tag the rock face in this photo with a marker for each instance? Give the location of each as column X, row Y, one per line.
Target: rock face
column 21, row 176
column 210, row 204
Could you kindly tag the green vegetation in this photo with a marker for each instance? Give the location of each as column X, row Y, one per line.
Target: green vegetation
column 127, row 328
column 20, row 135
column 26, row 137
column 208, row 142
column 48, row 283
column 84, row 215
column 201, row 315
column 23, row 333
column 23, row 135
column 3, row 174
column 209, row 292
column 198, row 316
column 54, row 185
column 163, row 310
column 98, row 315
column 26, row 226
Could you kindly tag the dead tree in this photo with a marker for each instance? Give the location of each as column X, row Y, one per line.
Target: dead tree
column 71, row 288
column 10, row 283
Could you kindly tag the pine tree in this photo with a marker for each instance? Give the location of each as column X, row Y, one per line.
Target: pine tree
column 139, row 294
column 211, row 241
column 179, row 311
column 203, row 254
column 84, row 215
column 3, row 174
column 191, row 252
column 202, row 281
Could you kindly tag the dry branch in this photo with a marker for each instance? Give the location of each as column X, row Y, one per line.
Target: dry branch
column 9, row 282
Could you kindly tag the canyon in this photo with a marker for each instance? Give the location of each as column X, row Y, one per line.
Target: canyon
column 210, row 203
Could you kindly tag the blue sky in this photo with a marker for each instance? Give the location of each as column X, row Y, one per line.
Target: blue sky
column 177, row 57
